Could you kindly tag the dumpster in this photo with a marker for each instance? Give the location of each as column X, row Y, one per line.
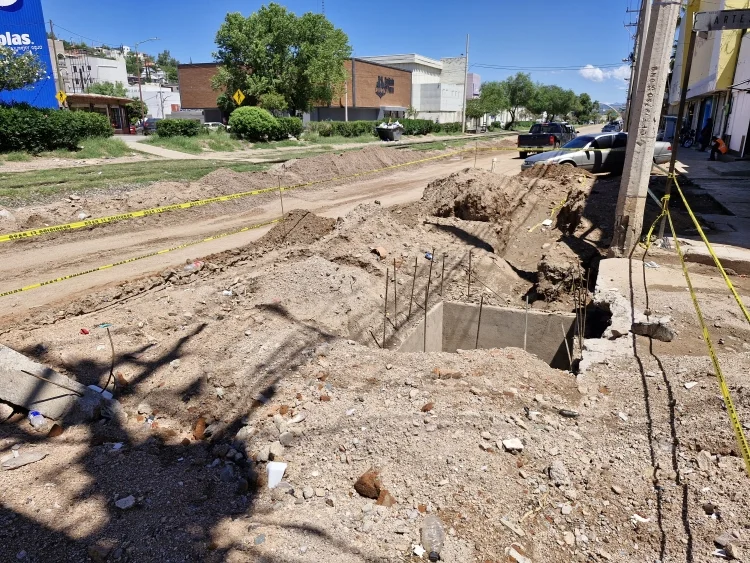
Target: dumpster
column 390, row 131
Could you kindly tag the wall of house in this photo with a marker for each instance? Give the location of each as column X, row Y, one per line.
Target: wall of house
column 740, row 114
column 159, row 102
column 195, row 85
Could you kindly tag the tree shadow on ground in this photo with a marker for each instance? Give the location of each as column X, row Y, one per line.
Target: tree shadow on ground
column 182, row 491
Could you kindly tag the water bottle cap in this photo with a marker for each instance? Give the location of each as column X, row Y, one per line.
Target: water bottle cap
column 34, row 413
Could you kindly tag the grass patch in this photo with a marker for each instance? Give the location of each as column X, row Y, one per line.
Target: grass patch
column 20, row 187
column 190, row 145
column 217, row 141
column 94, row 148
column 17, row 156
column 339, row 140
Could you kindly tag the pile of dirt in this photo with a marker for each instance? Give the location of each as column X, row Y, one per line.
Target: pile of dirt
column 328, row 166
column 298, row 227
column 558, row 272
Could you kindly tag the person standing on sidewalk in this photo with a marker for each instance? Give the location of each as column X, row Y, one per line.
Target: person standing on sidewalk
column 717, row 146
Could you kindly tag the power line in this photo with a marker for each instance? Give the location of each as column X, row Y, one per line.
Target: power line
column 84, row 37
column 542, row 68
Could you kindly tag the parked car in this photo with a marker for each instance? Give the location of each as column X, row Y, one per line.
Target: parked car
column 612, row 127
column 214, row 126
column 599, row 152
column 552, row 135
column 148, row 125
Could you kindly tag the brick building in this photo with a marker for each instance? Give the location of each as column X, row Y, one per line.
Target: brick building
column 195, row 89
column 373, row 91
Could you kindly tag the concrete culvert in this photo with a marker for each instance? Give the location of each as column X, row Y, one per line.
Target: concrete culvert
column 453, row 326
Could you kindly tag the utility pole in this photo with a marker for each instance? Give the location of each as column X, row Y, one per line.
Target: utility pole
column 61, row 85
column 639, row 52
column 648, row 98
column 346, row 100
column 466, row 79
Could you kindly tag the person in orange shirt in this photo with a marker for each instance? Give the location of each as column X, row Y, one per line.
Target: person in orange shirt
column 717, row 146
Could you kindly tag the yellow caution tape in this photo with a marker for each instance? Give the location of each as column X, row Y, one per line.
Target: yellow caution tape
column 555, row 209
column 716, row 260
column 733, row 417
column 224, row 198
column 143, row 256
column 647, row 245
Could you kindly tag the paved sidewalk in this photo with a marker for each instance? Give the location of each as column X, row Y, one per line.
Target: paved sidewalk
column 729, row 185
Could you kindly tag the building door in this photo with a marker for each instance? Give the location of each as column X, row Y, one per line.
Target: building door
column 706, row 115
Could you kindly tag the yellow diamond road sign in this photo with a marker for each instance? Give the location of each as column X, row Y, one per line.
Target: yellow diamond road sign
column 61, row 97
column 239, row 97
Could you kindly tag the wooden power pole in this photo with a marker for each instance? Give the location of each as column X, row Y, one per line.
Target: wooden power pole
column 646, row 110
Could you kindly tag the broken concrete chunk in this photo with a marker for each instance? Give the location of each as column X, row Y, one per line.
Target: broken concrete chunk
column 655, row 328
column 57, row 398
column 24, row 459
column 512, row 445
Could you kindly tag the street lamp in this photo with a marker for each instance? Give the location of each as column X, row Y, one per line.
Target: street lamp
column 140, row 89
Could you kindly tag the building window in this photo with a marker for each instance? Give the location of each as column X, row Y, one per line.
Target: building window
column 75, row 69
column 77, row 82
column 89, row 67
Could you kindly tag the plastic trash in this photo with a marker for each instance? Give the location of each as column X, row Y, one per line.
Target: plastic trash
column 36, row 419
column 85, row 331
column 428, row 255
column 433, row 536
column 275, row 473
column 193, row 266
column 651, row 264
column 227, row 292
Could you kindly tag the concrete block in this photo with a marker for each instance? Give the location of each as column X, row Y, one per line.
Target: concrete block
column 75, row 403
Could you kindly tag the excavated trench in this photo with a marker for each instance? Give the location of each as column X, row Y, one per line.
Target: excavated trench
column 452, row 326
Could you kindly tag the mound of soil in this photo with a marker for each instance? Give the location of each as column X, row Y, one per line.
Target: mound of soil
column 298, row 227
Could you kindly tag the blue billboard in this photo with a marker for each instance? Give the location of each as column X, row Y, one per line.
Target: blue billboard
column 22, row 29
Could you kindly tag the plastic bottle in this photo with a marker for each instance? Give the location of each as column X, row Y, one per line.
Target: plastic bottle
column 36, row 419
column 433, row 536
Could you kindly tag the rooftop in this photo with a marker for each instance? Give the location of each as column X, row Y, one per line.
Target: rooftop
column 412, row 58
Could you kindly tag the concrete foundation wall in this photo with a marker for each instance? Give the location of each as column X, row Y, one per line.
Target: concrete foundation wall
column 414, row 342
column 453, row 326
column 503, row 328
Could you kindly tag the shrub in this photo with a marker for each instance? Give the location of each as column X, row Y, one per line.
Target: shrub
column 179, row 128
column 419, row 126
column 253, row 124
column 451, row 127
column 24, row 128
column 287, row 126
column 342, row 128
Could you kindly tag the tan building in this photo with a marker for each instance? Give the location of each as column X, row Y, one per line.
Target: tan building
column 372, row 91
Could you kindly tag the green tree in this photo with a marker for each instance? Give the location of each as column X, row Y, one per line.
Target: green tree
column 553, row 100
column 494, row 97
column 273, row 50
column 585, row 108
column 19, row 71
column 475, row 108
column 108, row 89
column 612, row 115
column 167, row 63
column 132, row 64
column 519, row 89
column 136, row 110
column 273, row 102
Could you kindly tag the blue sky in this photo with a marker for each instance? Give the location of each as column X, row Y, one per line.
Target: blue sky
column 511, row 33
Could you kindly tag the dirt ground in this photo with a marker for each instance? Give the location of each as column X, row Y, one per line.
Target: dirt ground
column 272, row 351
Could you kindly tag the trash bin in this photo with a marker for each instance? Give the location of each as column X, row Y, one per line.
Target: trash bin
column 390, row 133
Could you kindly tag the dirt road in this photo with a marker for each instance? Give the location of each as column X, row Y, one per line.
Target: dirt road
column 43, row 260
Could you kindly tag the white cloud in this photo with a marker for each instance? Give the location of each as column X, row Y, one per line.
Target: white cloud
column 595, row 74
column 590, row 72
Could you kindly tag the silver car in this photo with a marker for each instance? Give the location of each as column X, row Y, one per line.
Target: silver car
column 599, row 152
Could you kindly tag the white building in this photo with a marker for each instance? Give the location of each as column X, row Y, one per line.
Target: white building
column 738, row 123
column 161, row 101
column 437, row 86
column 80, row 70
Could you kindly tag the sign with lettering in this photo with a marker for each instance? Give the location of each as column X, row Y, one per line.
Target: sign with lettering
column 22, row 30
column 384, row 86
column 725, row 19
